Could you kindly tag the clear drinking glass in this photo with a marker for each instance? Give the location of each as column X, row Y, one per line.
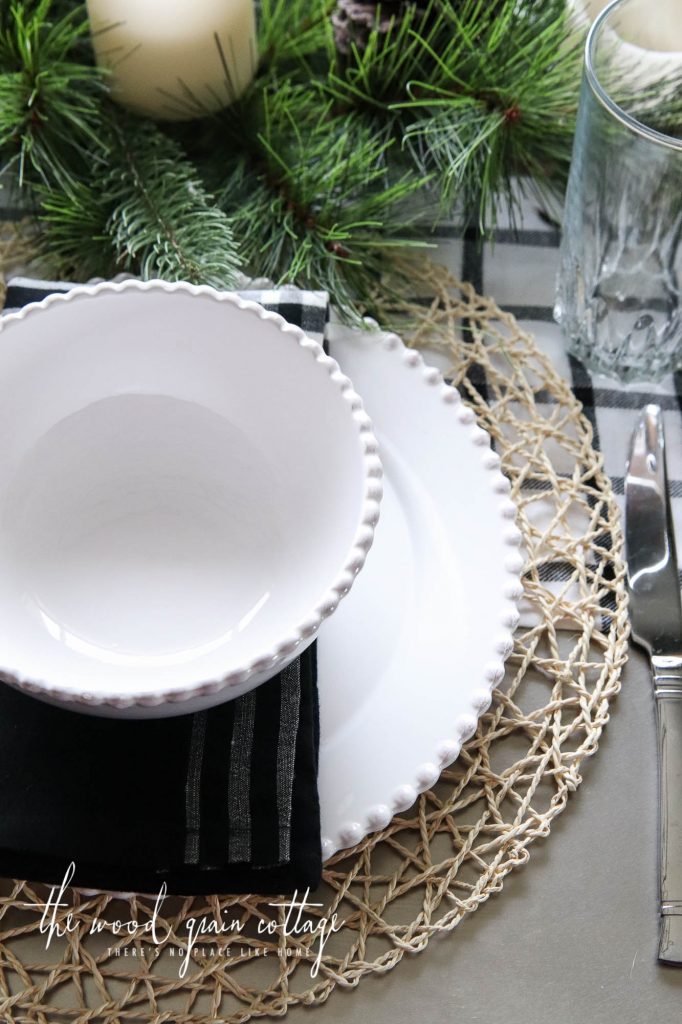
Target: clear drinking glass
column 618, row 297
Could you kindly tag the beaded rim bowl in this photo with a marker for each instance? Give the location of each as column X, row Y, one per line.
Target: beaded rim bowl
column 178, row 514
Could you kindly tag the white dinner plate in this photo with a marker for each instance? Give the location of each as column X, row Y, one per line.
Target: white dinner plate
column 407, row 663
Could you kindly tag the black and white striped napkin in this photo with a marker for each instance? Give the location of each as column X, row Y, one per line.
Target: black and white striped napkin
column 223, row 800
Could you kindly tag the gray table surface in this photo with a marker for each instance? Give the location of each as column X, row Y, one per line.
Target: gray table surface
column 572, row 938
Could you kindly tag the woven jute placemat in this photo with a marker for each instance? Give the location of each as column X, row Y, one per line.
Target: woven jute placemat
column 439, row 861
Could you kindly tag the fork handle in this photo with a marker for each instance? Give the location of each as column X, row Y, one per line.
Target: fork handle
column 668, row 698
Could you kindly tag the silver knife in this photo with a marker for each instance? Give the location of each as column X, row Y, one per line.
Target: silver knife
column 656, row 618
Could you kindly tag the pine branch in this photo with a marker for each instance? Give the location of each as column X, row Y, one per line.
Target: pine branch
column 316, row 199
column 50, row 100
column 74, row 230
column 150, row 215
column 378, row 75
column 163, row 222
column 478, row 92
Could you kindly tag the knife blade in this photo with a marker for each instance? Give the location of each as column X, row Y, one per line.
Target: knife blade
column 655, row 604
column 656, row 619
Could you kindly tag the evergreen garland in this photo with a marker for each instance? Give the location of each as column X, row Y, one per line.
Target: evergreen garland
column 317, row 173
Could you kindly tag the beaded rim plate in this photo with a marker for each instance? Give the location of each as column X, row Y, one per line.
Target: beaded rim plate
column 440, row 588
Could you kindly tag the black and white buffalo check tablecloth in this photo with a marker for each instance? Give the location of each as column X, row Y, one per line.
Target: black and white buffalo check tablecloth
column 518, row 269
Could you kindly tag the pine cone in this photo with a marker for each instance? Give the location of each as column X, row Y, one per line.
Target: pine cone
column 353, row 20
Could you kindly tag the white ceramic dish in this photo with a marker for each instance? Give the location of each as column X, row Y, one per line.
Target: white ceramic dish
column 188, row 486
column 408, row 663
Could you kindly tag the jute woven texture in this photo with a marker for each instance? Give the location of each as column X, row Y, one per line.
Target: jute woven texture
column 439, row 861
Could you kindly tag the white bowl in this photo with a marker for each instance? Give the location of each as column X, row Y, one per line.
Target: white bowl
column 188, row 486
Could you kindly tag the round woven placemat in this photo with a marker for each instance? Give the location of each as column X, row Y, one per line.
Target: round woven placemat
column 439, row 861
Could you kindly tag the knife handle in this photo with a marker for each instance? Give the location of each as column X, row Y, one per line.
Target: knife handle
column 668, row 695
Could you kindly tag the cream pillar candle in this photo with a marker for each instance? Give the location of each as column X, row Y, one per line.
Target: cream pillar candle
column 175, row 59
column 652, row 31
column 655, row 28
